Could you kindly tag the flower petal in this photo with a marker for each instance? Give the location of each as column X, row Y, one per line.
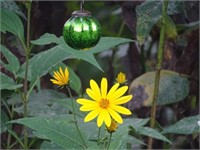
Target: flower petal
column 100, row 118
column 122, row 100
column 88, row 107
column 57, row 76
column 119, row 92
column 92, row 115
column 93, row 95
column 95, row 88
column 112, row 90
column 61, row 72
column 104, row 86
column 56, row 82
column 115, row 115
column 66, row 73
column 85, row 101
column 121, row 110
column 107, row 118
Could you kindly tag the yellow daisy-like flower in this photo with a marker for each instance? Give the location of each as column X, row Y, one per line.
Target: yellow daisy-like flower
column 105, row 105
column 61, row 78
column 121, row 78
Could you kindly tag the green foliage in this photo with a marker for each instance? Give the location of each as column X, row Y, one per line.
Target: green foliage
column 47, row 103
column 11, row 23
column 152, row 133
column 187, row 125
column 172, row 88
column 8, row 83
column 50, row 113
column 4, row 119
column 58, row 129
column 148, row 13
column 49, row 58
column 12, row 6
column 12, row 64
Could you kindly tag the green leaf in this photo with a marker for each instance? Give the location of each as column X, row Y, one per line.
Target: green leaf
column 175, row 7
column 12, row 6
column 173, row 88
column 152, row 133
column 11, row 23
column 148, row 13
column 107, row 43
column 49, row 58
column 4, row 119
column 58, row 129
column 121, row 137
column 8, row 83
column 13, row 63
column 49, row 145
column 187, row 125
column 75, row 82
column 66, row 102
column 45, row 39
column 47, row 103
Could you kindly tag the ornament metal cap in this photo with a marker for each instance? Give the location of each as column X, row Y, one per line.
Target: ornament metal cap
column 81, row 13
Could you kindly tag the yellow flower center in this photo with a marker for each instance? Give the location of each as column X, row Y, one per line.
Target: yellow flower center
column 104, row 103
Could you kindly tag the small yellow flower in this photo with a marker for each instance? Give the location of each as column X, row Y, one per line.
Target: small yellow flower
column 121, row 78
column 105, row 105
column 113, row 127
column 61, row 78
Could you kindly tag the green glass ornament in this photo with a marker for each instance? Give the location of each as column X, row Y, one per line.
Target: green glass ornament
column 82, row 31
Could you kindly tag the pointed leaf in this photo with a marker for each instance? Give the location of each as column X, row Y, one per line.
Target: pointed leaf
column 8, row 83
column 152, row 133
column 13, row 63
column 188, row 125
column 58, row 129
column 12, row 6
column 47, row 103
column 10, row 22
column 49, row 58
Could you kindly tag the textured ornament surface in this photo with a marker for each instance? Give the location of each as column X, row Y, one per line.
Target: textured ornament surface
column 82, row 32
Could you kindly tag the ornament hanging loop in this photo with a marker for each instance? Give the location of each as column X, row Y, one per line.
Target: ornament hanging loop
column 81, row 5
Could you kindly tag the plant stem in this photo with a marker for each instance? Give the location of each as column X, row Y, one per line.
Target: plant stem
column 75, row 121
column 109, row 141
column 158, row 69
column 27, row 52
column 99, row 133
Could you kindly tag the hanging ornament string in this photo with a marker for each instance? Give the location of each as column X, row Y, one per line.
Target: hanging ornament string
column 81, row 5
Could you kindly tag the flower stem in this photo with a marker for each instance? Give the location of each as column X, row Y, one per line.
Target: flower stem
column 109, row 141
column 75, row 121
column 27, row 53
column 158, row 69
column 98, row 135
